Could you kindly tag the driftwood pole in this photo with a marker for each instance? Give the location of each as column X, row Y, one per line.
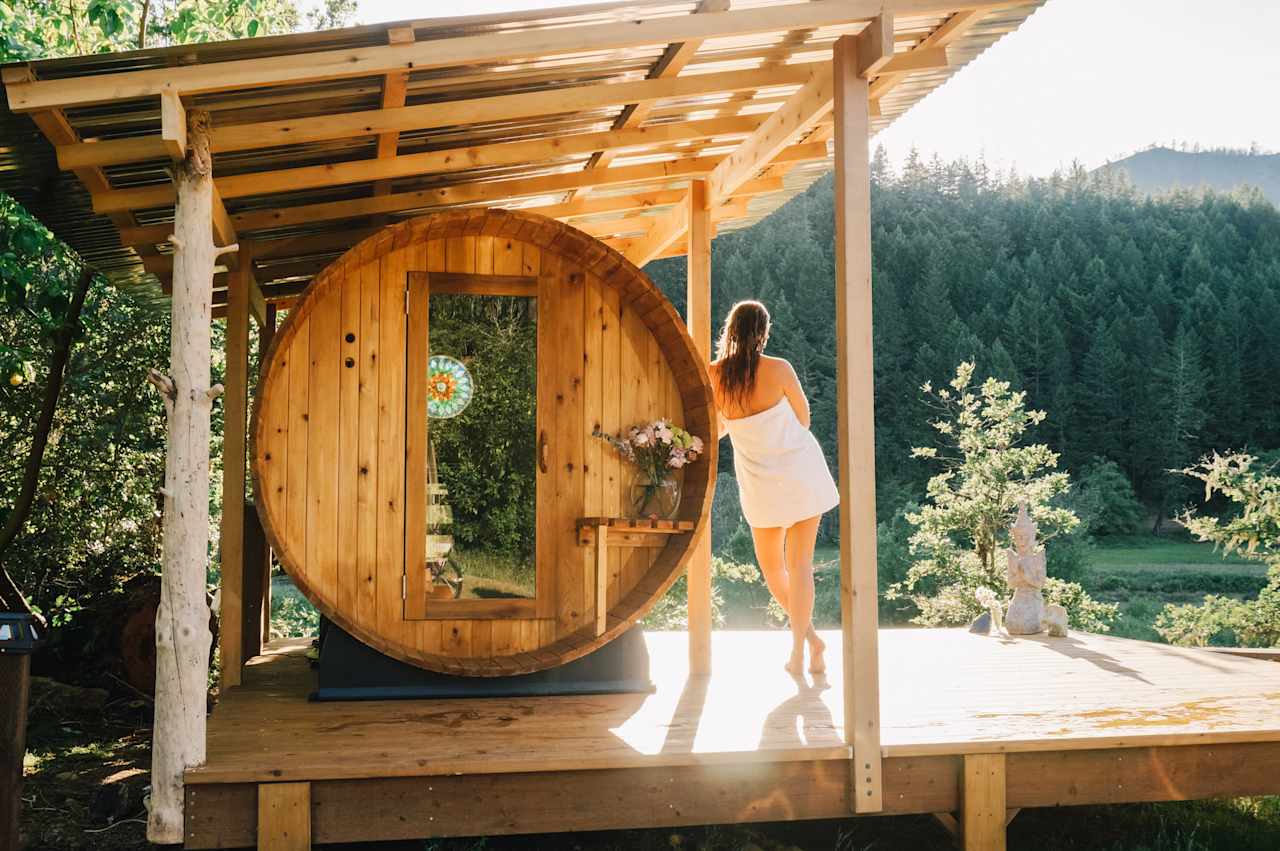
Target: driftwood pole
column 182, row 623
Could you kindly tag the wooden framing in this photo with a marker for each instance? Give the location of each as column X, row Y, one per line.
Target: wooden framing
column 338, row 64
column 698, row 320
column 235, row 413
column 673, row 122
column 856, row 428
column 719, row 749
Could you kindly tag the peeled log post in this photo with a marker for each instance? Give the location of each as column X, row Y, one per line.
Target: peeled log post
column 182, row 623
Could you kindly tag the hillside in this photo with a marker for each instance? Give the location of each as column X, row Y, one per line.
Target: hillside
column 1144, row 329
column 1160, row 170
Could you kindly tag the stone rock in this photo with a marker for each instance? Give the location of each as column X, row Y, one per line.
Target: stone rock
column 981, row 624
column 1055, row 621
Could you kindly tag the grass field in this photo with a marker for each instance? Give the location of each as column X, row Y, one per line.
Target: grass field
column 1143, row 573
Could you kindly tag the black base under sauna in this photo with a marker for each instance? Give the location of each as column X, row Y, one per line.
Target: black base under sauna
column 351, row 670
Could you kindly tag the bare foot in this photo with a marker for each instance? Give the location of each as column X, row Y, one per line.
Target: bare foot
column 817, row 661
column 795, row 665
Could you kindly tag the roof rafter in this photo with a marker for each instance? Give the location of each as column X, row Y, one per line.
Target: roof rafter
column 672, row 61
column 463, row 50
column 435, row 162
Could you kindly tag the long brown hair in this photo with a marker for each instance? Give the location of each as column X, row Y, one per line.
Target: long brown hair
column 746, row 330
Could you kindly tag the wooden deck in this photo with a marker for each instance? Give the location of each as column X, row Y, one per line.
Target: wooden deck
column 1086, row 718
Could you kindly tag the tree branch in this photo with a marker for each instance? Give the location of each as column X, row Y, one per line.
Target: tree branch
column 11, row 597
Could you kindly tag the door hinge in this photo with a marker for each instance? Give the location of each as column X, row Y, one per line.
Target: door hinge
column 404, row 587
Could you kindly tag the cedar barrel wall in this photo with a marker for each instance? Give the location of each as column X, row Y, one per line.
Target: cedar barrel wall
column 329, row 436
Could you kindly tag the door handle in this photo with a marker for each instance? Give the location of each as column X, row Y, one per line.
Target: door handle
column 542, row 450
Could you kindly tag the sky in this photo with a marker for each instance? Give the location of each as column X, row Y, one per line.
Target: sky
column 1081, row 80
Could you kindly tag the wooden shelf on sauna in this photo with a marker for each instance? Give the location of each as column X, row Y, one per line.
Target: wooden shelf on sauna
column 631, row 531
column 605, row 532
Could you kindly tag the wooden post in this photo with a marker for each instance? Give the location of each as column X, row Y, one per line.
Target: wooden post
column 698, row 310
column 266, row 332
column 284, row 817
column 983, row 802
column 855, row 404
column 182, row 623
column 235, row 403
column 15, row 686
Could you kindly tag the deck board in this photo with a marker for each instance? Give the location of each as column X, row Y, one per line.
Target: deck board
column 942, row 692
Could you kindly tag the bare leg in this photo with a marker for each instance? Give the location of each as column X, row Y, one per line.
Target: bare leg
column 801, row 539
column 772, row 558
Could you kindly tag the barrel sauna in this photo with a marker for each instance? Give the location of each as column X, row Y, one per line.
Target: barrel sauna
column 340, row 440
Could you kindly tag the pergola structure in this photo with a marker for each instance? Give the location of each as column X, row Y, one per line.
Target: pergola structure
column 650, row 125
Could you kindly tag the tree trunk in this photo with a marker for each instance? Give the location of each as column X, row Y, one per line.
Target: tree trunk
column 182, row 623
column 11, row 597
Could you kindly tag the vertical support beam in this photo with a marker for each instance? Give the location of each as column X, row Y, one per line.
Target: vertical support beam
column 284, row 816
column 698, row 311
column 257, row 571
column 983, row 802
column 266, row 333
column 855, row 406
column 602, row 578
column 235, row 405
column 182, row 622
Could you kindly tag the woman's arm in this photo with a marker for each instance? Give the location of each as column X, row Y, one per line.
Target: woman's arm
column 714, row 371
column 794, row 392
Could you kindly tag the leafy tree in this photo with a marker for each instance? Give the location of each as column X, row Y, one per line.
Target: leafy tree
column 963, row 529
column 40, row 29
column 1104, row 500
column 1252, row 532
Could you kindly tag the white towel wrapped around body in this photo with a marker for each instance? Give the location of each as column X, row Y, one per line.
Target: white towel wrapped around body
column 782, row 474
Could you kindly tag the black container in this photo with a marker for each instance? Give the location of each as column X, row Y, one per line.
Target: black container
column 20, row 636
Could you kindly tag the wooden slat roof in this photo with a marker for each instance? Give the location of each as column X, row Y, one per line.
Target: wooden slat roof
column 584, row 117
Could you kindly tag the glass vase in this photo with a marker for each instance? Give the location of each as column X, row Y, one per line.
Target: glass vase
column 654, row 499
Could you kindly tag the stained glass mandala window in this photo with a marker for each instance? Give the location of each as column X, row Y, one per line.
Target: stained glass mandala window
column 449, row 387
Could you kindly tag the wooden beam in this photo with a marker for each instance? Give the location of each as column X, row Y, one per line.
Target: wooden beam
column 698, row 320
column 875, row 45
column 665, row 231
column 475, row 192
column 284, row 817
column 982, row 823
column 173, row 125
column 235, row 403
column 436, row 162
column 496, row 108
column 856, row 429
column 951, row 29
column 182, row 625
column 783, row 127
column 464, row 50
column 394, row 87
column 669, row 64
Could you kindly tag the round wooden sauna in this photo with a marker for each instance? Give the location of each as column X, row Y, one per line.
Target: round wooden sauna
column 344, row 458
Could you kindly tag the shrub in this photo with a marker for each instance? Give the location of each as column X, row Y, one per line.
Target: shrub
column 1252, row 531
column 961, row 531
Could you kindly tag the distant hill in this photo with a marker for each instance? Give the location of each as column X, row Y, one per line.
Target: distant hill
column 1160, row 170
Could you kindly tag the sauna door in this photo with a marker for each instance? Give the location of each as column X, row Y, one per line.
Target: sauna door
column 473, row 434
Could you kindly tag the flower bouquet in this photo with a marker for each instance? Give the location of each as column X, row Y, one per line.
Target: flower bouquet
column 657, row 450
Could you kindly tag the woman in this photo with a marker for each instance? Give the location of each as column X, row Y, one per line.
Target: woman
column 783, row 480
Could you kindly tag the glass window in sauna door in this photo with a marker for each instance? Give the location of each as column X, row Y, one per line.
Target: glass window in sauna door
column 481, row 463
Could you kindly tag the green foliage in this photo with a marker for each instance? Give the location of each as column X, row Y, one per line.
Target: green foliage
column 1252, row 531
column 962, row 529
column 1104, row 500
column 39, row 29
column 487, row 453
column 738, row 598
column 967, row 263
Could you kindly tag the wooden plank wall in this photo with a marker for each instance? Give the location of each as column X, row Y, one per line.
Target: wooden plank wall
column 334, row 432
